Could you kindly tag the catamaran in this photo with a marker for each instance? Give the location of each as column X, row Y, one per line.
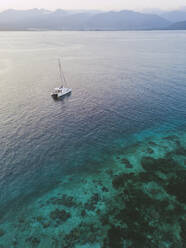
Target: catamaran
column 61, row 91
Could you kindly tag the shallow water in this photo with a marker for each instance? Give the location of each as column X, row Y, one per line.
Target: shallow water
column 128, row 89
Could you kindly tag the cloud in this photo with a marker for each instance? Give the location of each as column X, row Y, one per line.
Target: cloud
column 91, row 4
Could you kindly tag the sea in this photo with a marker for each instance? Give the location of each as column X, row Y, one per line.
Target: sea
column 106, row 166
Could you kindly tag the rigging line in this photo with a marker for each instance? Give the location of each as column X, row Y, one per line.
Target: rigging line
column 62, row 76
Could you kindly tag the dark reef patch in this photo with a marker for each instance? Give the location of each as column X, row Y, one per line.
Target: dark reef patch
column 171, row 138
column 115, row 237
column 127, row 163
column 164, row 165
column 180, row 151
column 65, row 200
column 121, row 179
column 2, row 232
column 177, row 186
column 183, row 232
column 92, row 202
column 84, row 233
column 139, row 217
column 152, row 143
column 59, row 215
column 150, row 150
column 34, row 241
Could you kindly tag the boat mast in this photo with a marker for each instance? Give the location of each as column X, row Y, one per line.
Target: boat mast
column 61, row 73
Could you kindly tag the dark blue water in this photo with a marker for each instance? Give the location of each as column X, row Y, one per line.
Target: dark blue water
column 122, row 84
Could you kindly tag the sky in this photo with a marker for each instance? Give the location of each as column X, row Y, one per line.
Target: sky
column 92, row 4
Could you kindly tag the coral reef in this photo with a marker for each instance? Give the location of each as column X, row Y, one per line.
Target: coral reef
column 137, row 199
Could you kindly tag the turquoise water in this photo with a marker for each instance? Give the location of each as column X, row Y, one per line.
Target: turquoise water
column 104, row 167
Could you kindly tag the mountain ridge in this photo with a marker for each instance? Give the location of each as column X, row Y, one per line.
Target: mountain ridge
column 178, row 26
column 86, row 20
column 175, row 16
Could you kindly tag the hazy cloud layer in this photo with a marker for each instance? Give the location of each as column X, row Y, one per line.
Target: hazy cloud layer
column 91, row 4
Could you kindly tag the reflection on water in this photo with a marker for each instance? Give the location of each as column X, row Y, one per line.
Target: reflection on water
column 105, row 166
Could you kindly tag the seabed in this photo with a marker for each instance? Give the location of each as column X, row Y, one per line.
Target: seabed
column 136, row 198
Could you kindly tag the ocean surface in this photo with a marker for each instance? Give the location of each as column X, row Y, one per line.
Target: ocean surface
column 127, row 88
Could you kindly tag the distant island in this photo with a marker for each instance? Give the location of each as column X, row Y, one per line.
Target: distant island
column 41, row 19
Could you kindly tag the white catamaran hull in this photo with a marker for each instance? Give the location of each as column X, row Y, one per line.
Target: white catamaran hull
column 61, row 92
